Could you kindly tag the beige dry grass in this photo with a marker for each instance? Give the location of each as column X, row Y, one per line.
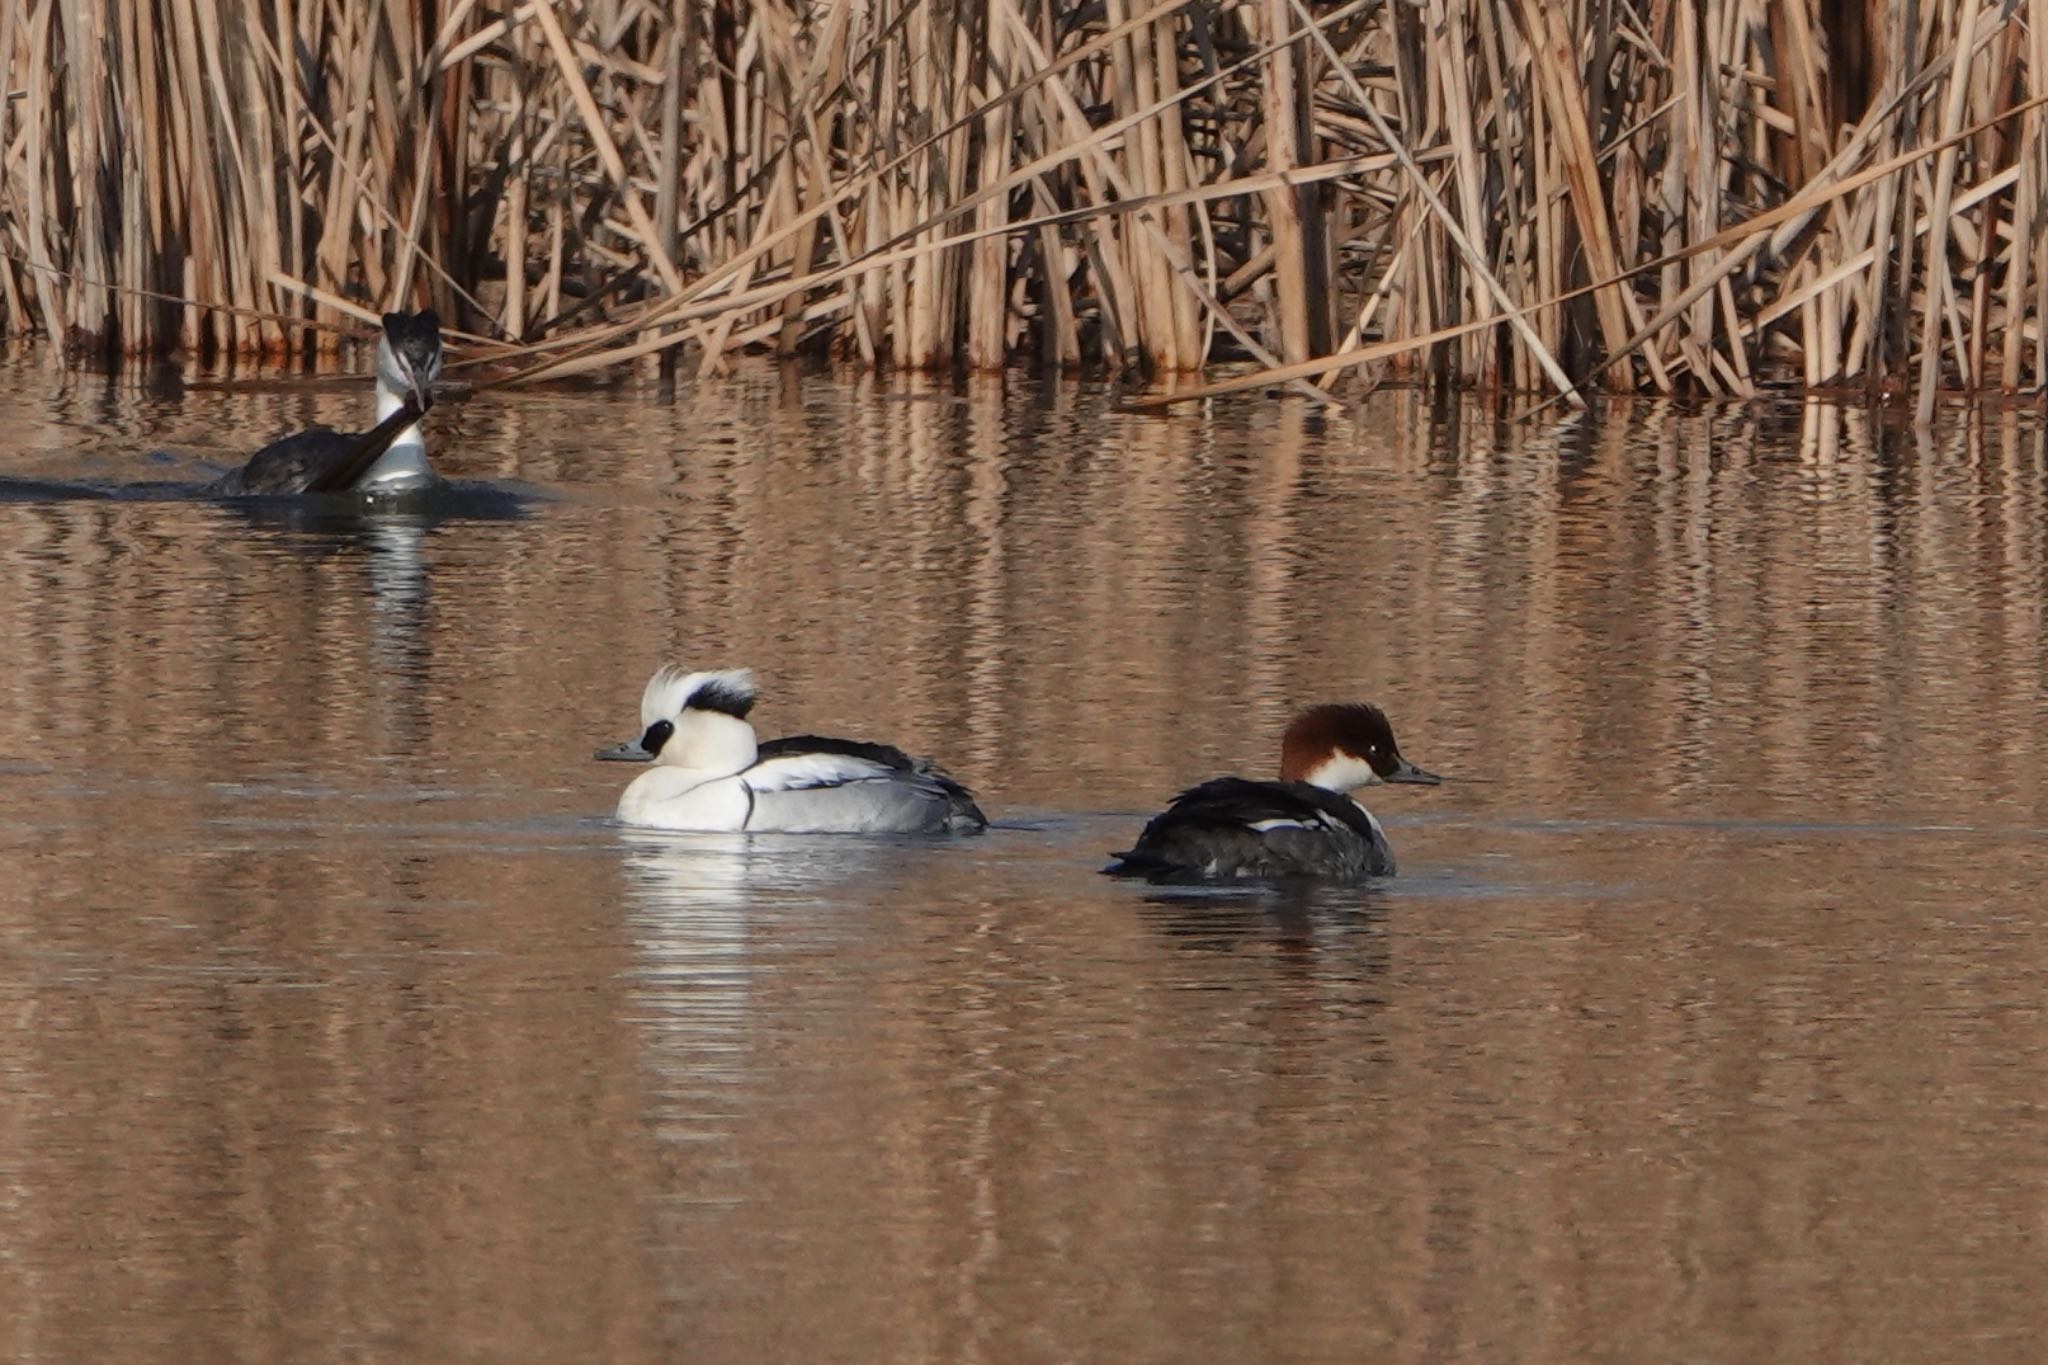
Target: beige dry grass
column 1661, row 194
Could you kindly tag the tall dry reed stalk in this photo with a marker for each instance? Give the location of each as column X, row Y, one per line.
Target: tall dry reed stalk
column 1540, row 195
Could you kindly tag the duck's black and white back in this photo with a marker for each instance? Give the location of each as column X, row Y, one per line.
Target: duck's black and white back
column 710, row 774
column 391, row 458
column 826, row 791
column 1236, row 828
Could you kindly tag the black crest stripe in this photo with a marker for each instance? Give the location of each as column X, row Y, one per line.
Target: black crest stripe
column 723, row 697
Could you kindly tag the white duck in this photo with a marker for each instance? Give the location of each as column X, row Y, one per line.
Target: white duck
column 710, row 773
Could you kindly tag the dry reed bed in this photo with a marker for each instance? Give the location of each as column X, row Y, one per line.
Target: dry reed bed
column 1531, row 194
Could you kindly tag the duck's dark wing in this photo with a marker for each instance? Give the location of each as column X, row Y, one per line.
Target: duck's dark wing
column 1236, row 827
column 887, row 755
column 1244, row 801
column 319, row 460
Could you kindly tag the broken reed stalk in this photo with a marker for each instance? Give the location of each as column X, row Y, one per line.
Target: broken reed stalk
column 1543, row 195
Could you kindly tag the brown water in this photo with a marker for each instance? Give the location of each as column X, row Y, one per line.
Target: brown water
column 337, row 1023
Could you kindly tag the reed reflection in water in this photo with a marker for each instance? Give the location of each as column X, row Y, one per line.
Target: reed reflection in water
column 338, row 1022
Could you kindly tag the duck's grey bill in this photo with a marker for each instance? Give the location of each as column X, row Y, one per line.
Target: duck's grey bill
column 1408, row 772
column 628, row 752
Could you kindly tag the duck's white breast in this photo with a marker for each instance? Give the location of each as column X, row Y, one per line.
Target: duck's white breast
column 675, row 798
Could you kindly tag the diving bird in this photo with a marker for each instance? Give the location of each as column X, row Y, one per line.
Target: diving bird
column 390, row 459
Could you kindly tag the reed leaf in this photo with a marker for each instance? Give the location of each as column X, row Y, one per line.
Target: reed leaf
column 1543, row 195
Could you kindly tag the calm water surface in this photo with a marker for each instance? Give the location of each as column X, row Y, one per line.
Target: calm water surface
column 337, row 1023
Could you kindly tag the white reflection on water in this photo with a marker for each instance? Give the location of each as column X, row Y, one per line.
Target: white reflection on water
column 711, row 916
column 688, row 918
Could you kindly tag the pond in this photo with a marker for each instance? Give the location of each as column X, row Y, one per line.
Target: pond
column 1704, row 1022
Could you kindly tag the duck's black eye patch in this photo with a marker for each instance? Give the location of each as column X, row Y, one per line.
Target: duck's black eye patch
column 656, row 736
column 723, row 697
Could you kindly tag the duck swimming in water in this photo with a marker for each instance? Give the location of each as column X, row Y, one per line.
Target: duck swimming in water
column 711, row 774
column 1236, row 828
column 390, row 459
